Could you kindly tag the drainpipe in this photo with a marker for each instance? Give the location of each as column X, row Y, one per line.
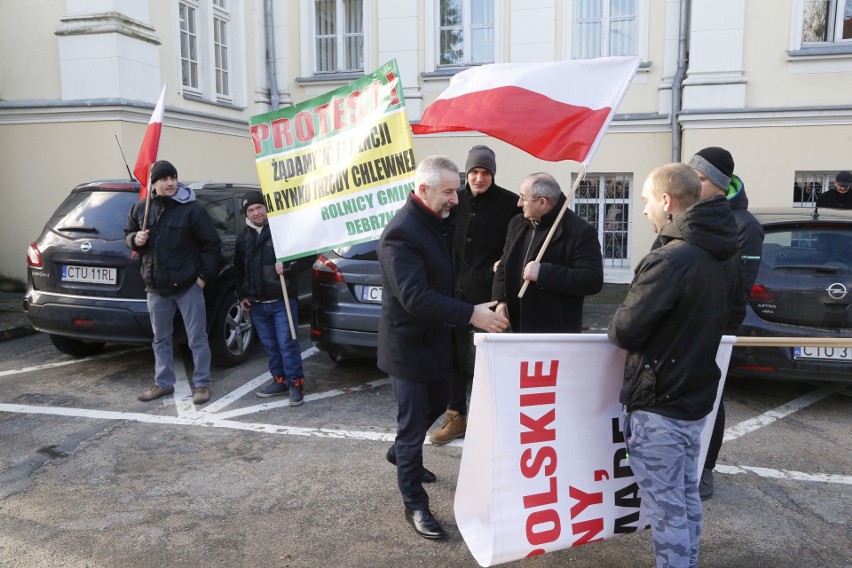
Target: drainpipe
column 270, row 55
column 677, row 82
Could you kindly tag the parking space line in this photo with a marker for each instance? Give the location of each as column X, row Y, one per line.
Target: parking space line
column 783, row 474
column 71, row 362
column 771, row 416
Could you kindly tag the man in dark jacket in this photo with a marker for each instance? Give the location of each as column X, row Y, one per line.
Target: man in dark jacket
column 258, row 286
column 419, row 311
column 482, row 218
column 715, row 169
column 180, row 254
column 839, row 197
column 676, row 310
column 570, row 270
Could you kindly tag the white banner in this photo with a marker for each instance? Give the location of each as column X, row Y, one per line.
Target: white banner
column 544, row 465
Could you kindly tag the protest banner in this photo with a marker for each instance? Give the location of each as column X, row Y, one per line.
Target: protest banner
column 336, row 168
column 545, row 466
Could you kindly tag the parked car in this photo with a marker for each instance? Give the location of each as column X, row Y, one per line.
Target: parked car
column 84, row 288
column 347, row 302
column 803, row 289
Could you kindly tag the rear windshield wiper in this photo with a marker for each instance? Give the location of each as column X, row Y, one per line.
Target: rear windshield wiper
column 80, row 229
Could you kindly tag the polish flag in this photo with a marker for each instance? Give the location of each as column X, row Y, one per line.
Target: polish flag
column 150, row 144
column 554, row 111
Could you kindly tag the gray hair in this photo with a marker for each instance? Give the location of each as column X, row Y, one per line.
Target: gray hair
column 544, row 185
column 429, row 171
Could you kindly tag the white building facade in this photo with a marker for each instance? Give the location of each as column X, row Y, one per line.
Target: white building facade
column 770, row 80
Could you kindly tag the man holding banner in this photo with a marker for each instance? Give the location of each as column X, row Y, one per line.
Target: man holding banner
column 671, row 323
column 419, row 311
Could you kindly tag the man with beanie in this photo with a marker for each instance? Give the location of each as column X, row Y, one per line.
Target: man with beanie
column 838, row 197
column 715, row 169
column 482, row 218
column 180, row 254
column 570, row 269
column 258, row 286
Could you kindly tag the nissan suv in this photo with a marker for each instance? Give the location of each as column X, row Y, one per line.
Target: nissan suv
column 84, row 287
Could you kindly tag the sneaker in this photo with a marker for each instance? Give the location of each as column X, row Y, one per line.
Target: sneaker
column 201, row 395
column 278, row 385
column 454, row 427
column 705, row 485
column 155, row 392
column 296, row 392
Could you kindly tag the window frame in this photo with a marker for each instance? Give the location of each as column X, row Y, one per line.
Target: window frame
column 340, row 36
column 615, row 240
column 827, row 51
column 821, row 180
column 642, row 26
column 432, row 35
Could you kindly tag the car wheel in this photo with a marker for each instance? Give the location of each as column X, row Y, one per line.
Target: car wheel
column 231, row 333
column 76, row 347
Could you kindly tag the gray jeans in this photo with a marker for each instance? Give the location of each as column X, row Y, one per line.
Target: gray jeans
column 192, row 310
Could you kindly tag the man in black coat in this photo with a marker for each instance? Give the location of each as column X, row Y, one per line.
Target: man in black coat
column 257, row 283
column 681, row 299
column 180, row 252
column 839, row 197
column 419, row 311
column 482, row 218
column 570, row 270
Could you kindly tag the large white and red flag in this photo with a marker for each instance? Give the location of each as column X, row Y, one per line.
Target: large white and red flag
column 150, row 145
column 554, row 111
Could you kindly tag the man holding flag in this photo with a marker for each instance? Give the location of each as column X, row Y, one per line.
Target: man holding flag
column 180, row 254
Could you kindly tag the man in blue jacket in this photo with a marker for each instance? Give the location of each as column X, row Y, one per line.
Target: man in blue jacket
column 419, row 312
column 180, row 252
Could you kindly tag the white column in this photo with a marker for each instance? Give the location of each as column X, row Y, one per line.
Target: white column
column 397, row 37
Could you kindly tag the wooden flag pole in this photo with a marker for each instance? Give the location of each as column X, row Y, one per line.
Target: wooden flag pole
column 147, row 199
column 580, row 177
column 287, row 306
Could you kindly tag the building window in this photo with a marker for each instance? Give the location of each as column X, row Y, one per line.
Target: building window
column 604, row 201
column 826, row 21
column 211, row 44
column 338, row 36
column 465, row 32
column 188, row 15
column 808, row 186
column 605, row 28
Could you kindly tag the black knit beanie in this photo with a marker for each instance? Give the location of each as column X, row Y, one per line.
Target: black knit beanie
column 162, row 169
column 481, row 157
column 716, row 164
column 252, row 198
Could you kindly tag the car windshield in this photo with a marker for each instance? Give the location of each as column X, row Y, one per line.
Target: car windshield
column 359, row 251
column 97, row 213
column 823, row 249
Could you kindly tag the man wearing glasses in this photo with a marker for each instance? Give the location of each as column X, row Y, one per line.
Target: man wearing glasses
column 570, row 270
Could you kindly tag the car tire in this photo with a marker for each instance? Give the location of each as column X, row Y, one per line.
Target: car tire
column 76, row 347
column 231, row 334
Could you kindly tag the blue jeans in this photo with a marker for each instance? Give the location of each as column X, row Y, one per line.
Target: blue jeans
column 663, row 454
column 192, row 310
column 273, row 329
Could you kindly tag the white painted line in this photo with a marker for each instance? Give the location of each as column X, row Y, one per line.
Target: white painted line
column 771, row 416
column 783, row 474
column 236, row 394
column 71, row 362
column 198, row 419
column 277, row 404
column 183, row 394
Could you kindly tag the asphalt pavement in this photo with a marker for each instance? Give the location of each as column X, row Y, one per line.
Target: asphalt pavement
column 597, row 313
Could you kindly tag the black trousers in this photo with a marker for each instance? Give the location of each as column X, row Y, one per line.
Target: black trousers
column 465, row 355
column 716, row 438
column 418, row 406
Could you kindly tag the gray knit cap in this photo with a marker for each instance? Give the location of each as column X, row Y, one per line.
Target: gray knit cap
column 716, row 164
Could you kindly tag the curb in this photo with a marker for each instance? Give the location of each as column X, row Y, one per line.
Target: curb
column 15, row 332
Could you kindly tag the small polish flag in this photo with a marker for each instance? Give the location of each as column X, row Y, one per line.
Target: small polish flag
column 150, row 144
column 554, row 111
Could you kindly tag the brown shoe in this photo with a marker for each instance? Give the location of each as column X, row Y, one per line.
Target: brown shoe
column 155, row 392
column 454, row 427
column 201, row 395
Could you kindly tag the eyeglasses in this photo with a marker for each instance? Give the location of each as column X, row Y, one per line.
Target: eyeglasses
column 528, row 199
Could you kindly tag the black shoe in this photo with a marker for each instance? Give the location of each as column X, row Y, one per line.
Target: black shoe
column 425, row 524
column 428, row 476
column 705, row 484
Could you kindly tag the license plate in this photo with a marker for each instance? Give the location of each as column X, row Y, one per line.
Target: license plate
column 372, row 294
column 825, row 353
column 88, row 274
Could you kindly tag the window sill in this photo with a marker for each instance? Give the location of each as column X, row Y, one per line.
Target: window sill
column 341, row 78
column 221, row 104
column 827, row 51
